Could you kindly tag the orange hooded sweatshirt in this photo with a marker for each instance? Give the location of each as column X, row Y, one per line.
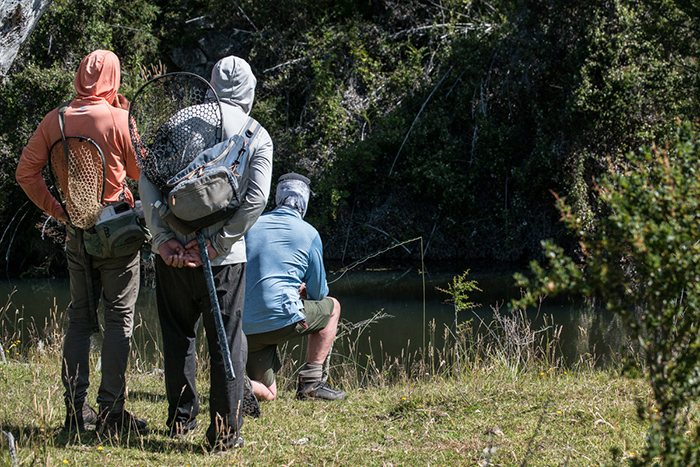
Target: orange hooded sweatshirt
column 96, row 114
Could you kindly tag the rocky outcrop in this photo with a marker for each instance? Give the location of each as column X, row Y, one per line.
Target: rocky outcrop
column 209, row 49
column 17, row 21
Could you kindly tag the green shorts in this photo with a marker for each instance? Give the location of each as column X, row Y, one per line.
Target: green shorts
column 263, row 361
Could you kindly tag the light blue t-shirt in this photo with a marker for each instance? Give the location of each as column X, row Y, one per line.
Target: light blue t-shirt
column 283, row 251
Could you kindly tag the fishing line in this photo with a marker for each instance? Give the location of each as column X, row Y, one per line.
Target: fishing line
column 342, row 271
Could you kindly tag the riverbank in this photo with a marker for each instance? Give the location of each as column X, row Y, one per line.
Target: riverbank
column 487, row 414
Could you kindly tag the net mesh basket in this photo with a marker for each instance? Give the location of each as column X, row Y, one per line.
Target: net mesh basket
column 172, row 119
column 79, row 179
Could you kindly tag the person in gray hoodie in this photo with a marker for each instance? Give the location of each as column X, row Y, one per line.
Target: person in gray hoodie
column 181, row 291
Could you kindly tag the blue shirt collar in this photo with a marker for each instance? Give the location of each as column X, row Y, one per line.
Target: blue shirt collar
column 288, row 211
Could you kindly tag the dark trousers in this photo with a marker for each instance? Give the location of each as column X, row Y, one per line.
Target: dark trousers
column 116, row 282
column 183, row 299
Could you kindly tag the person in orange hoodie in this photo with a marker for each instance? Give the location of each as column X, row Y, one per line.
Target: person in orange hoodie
column 99, row 113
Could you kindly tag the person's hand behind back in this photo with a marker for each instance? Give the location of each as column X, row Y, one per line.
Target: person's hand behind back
column 192, row 255
column 173, row 253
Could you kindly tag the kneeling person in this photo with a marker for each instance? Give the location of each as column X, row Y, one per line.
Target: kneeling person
column 286, row 294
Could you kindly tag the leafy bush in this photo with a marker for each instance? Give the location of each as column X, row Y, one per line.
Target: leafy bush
column 643, row 260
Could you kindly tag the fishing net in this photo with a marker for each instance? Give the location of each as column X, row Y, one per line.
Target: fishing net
column 79, row 179
column 172, row 119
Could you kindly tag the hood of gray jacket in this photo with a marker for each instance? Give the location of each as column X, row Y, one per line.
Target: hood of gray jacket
column 234, row 82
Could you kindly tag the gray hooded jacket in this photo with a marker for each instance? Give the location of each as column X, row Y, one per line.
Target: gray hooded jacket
column 234, row 83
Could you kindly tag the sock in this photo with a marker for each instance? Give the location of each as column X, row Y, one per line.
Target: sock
column 310, row 373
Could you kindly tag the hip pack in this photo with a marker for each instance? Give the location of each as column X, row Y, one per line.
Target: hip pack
column 120, row 231
column 207, row 190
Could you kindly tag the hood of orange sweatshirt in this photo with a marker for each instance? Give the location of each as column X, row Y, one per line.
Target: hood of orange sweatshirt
column 98, row 76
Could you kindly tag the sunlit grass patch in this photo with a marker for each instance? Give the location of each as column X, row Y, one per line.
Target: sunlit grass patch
column 433, row 406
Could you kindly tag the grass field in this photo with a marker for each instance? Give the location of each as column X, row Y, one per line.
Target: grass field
column 471, row 404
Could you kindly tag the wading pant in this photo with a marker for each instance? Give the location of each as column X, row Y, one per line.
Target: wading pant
column 183, row 298
column 116, row 282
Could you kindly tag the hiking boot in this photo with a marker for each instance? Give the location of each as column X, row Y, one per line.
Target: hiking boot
column 77, row 420
column 319, row 390
column 250, row 406
column 112, row 423
column 226, row 444
column 179, row 430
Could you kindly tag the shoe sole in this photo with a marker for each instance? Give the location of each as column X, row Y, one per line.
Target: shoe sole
column 320, row 399
column 222, row 452
column 250, row 406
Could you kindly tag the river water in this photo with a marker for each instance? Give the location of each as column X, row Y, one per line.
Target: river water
column 408, row 299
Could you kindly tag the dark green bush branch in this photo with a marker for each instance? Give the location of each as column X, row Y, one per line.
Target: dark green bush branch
column 643, row 261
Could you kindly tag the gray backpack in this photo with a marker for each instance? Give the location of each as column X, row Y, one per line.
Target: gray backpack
column 207, row 190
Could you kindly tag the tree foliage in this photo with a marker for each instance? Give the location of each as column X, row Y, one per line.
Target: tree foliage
column 40, row 79
column 449, row 120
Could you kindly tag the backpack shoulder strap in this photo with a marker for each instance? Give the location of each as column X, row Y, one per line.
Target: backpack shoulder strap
column 251, row 129
column 62, row 123
column 248, row 133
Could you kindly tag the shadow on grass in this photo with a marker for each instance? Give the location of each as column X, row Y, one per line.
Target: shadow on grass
column 32, row 432
column 161, row 397
column 153, row 440
column 146, row 396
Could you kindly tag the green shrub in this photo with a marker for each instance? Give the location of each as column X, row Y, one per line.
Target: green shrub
column 643, row 260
